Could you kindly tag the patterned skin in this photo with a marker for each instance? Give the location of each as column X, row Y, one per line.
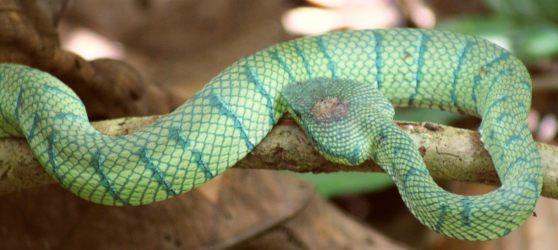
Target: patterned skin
column 236, row 109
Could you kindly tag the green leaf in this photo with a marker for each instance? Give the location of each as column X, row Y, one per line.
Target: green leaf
column 425, row 115
column 528, row 41
column 536, row 42
column 331, row 184
column 486, row 26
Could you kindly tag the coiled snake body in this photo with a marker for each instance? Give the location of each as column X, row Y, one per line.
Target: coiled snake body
column 237, row 108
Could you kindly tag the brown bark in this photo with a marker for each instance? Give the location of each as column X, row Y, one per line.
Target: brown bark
column 29, row 37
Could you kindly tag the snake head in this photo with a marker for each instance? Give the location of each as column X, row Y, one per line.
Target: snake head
column 339, row 116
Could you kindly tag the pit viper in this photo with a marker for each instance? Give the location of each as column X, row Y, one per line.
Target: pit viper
column 355, row 75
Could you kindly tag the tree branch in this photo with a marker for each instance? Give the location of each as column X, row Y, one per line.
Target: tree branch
column 450, row 154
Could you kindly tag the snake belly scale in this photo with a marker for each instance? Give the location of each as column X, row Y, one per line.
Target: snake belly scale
column 222, row 123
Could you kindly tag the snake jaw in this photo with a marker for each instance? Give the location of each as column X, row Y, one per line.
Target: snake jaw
column 338, row 116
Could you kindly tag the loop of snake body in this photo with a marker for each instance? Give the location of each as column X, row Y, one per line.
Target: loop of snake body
column 355, row 74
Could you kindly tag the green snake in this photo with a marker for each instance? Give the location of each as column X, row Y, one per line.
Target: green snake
column 338, row 86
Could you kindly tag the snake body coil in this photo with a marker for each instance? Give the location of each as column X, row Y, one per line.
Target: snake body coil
column 236, row 109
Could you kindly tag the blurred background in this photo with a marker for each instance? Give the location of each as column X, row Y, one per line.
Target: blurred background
column 174, row 47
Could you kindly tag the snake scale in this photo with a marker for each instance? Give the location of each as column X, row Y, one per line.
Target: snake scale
column 360, row 71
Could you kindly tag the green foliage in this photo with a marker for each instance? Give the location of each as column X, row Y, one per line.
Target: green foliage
column 425, row 115
column 331, row 184
column 528, row 28
column 538, row 11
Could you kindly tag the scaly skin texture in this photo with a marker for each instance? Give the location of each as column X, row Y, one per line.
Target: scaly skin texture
column 237, row 108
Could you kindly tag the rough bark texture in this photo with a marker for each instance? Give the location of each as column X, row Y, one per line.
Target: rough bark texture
column 450, row 154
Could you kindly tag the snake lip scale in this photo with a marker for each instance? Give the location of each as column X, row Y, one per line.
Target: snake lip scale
column 362, row 72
